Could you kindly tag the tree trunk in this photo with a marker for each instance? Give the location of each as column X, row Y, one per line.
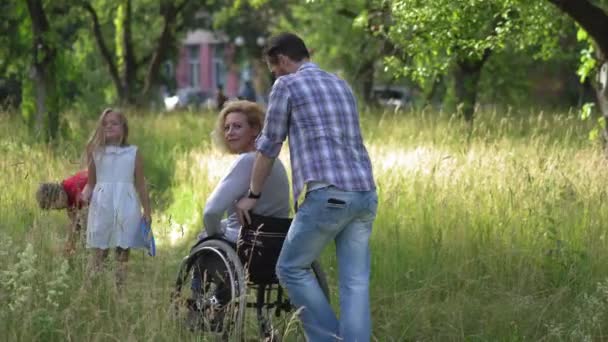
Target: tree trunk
column 38, row 77
column 595, row 21
column 130, row 64
column 429, row 98
column 365, row 77
column 169, row 12
column 261, row 78
column 591, row 17
column 466, row 79
column 124, row 73
column 601, row 93
column 43, row 59
column 103, row 49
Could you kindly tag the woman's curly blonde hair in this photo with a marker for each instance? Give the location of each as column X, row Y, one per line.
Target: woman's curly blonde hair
column 255, row 118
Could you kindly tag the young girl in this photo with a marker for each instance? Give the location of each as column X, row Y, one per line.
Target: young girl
column 116, row 178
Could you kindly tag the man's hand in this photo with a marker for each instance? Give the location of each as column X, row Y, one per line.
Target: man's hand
column 243, row 206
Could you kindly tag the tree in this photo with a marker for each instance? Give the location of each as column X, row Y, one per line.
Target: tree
column 14, row 43
column 132, row 25
column 43, row 72
column 344, row 36
column 339, row 33
column 458, row 37
column 592, row 17
column 252, row 22
column 48, row 28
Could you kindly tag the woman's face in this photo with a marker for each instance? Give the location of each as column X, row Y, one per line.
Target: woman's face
column 238, row 134
column 112, row 128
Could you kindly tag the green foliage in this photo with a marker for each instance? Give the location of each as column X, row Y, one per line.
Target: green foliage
column 586, row 113
column 90, row 87
column 340, row 34
column 28, row 102
column 587, row 64
column 437, row 33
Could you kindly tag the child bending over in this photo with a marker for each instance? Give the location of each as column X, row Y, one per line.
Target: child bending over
column 67, row 195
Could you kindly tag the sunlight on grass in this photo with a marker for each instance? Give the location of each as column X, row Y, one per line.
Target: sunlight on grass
column 496, row 235
column 419, row 159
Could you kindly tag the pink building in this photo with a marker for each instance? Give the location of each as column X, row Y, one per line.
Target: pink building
column 206, row 60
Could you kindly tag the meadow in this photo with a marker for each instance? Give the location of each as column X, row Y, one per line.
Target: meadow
column 493, row 234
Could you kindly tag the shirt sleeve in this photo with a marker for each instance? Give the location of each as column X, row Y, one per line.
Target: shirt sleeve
column 231, row 188
column 276, row 124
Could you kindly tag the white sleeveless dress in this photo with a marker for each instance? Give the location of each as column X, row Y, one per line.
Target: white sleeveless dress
column 115, row 210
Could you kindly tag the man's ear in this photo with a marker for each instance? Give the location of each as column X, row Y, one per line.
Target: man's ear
column 282, row 59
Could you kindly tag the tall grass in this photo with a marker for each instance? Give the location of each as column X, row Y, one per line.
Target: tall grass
column 492, row 234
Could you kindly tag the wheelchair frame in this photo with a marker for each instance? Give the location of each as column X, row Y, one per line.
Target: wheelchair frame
column 270, row 298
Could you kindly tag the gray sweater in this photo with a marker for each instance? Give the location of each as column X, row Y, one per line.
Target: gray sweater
column 235, row 185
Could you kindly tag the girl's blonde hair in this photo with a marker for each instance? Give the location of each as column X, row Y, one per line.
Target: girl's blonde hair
column 98, row 138
column 255, row 118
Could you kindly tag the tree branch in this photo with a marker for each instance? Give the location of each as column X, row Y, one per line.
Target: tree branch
column 103, row 48
column 591, row 17
column 346, row 13
column 40, row 27
column 170, row 13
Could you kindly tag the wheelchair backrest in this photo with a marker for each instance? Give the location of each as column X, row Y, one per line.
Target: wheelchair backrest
column 259, row 246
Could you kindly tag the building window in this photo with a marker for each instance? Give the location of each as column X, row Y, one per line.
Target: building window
column 219, row 67
column 194, row 65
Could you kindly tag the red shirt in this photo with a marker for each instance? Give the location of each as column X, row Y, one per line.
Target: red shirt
column 73, row 186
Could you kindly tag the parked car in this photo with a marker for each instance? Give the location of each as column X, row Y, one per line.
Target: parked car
column 186, row 97
column 395, row 97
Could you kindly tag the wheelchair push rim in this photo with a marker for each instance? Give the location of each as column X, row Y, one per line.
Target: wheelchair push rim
column 214, row 305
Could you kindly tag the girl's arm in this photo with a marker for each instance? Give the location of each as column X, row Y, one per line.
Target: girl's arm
column 91, row 179
column 140, row 186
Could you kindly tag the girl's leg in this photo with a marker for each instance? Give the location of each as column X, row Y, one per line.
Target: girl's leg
column 122, row 257
column 95, row 265
column 96, row 260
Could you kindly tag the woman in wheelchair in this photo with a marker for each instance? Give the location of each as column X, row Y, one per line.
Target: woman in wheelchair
column 213, row 265
column 237, row 127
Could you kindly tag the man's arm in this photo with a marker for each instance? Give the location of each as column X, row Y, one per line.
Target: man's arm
column 261, row 170
column 268, row 145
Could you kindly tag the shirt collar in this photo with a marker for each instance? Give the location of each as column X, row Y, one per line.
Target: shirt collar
column 307, row 65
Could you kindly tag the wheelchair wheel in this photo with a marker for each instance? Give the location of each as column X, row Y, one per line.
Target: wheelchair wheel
column 277, row 318
column 210, row 292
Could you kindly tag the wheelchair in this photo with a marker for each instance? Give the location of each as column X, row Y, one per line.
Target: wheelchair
column 219, row 279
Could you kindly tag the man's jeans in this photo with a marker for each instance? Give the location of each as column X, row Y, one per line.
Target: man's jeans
column 345, row 217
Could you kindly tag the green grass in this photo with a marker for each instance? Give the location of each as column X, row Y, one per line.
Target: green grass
column 496, row 235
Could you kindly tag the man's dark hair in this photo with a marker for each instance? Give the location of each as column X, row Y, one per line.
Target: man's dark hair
column 287, row 44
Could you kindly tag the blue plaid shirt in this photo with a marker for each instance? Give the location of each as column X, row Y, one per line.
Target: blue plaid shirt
column 319, row 113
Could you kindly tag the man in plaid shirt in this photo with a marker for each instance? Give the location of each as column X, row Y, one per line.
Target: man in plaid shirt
column 318, row 111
